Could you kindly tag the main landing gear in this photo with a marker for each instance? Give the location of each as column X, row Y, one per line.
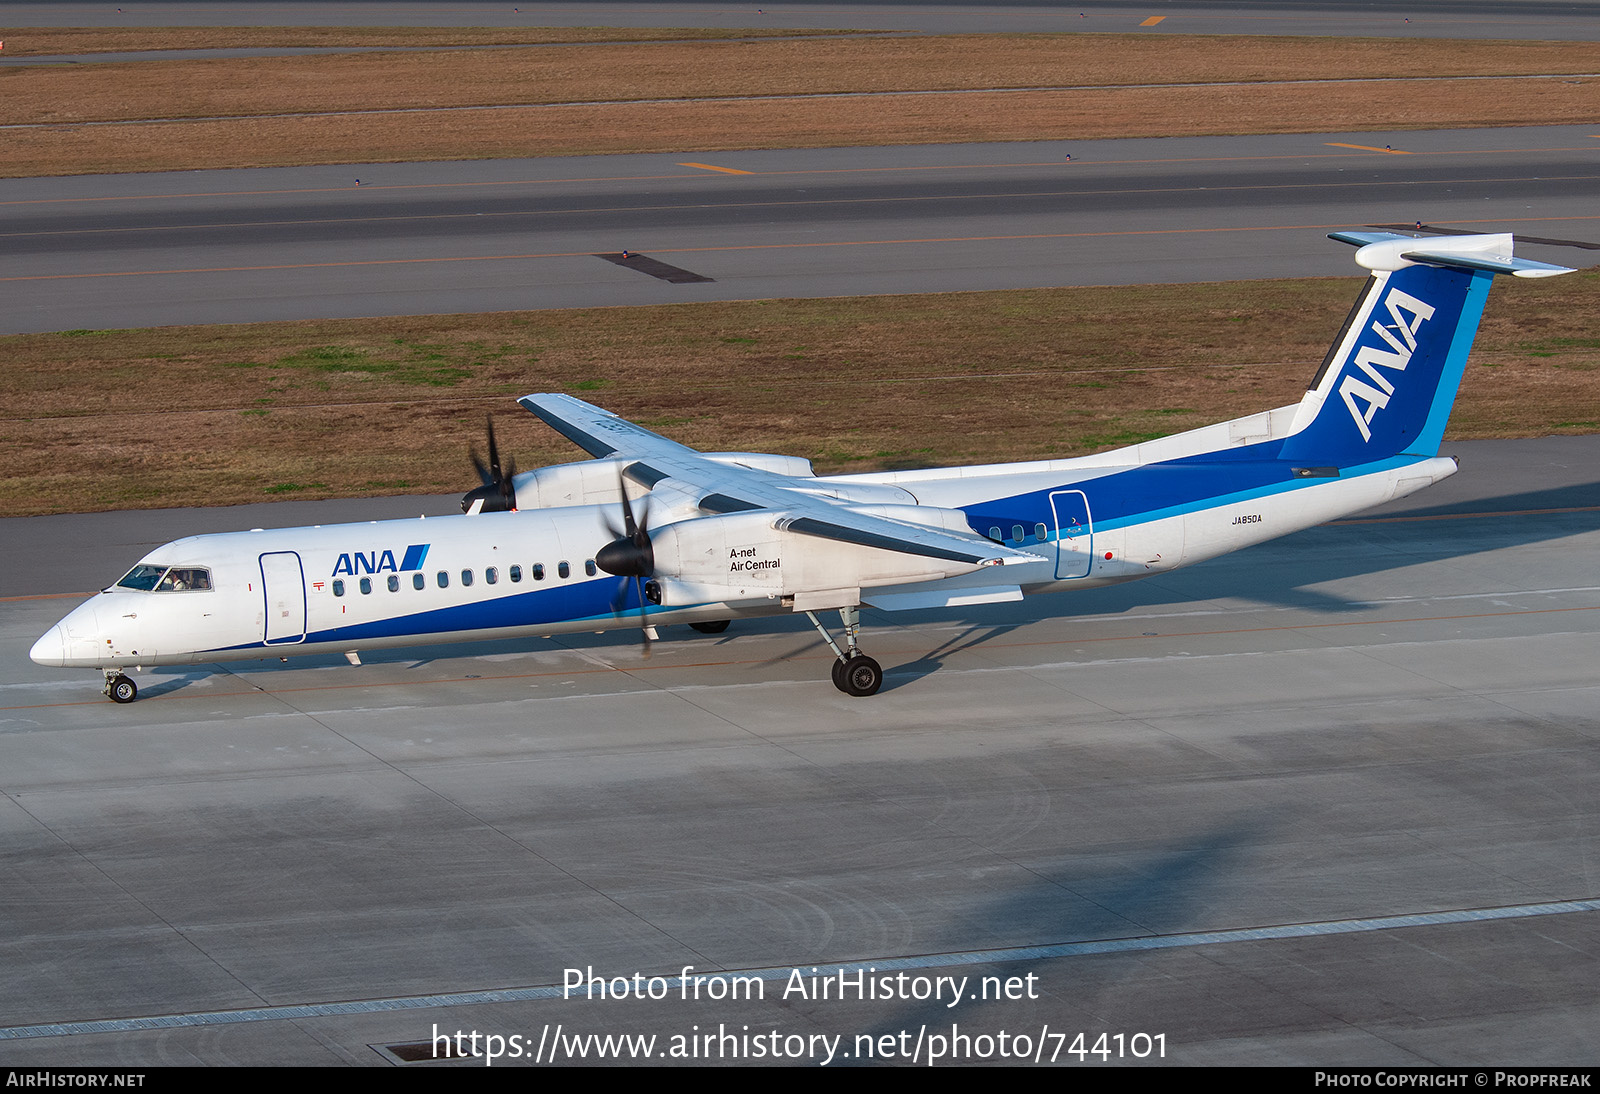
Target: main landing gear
column 854, row 673
column 120, row 689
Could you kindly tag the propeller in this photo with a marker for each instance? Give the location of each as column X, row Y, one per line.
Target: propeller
column 631, row 555
column 497, row 494
column 1433, row 230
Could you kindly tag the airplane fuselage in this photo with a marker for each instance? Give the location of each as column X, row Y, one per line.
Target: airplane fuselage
column 338, row 588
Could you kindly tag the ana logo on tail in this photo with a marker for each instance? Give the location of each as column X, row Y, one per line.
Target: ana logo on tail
column 1402, row 340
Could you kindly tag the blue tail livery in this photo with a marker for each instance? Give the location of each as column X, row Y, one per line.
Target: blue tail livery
column 1388, row 384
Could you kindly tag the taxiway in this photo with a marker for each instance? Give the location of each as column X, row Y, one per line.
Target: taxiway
column 117, row 251
column 1371, row 748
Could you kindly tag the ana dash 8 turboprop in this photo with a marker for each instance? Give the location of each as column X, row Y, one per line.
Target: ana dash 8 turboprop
column 649, row 532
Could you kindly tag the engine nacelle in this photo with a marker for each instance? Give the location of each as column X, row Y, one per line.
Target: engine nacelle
column 592, row 482
column 742, row 556
column 793, row 466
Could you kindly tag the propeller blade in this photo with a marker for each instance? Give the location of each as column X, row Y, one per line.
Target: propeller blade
column 644, row 622
column 494, row 450
column 630, row 554
column 483, row 472
column 629, row 525
column 498, row 494
column 508, row 489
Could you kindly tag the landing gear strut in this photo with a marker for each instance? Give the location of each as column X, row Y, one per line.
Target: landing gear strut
column 854, row 673
column 120, row 689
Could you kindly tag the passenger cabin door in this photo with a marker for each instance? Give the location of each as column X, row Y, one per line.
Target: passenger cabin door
column 283, row 589
column 1074, row 533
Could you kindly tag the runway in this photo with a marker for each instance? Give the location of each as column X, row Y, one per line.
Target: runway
column 243, row 246
column 1523, row 19
column 1389, row 717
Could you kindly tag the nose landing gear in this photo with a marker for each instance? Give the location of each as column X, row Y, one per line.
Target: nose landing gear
column 119, row 688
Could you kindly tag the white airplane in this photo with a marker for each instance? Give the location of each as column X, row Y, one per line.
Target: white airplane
column 724, row 535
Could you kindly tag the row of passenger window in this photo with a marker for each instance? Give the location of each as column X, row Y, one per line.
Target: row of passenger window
column 1019, row 535
column 491, row 576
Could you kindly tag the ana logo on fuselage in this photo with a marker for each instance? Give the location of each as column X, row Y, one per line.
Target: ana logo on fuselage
column 1402, row 341
column 377, row 562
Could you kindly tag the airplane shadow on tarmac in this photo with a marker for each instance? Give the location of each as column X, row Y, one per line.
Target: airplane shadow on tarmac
column 1289, row 572
column 1157, row 891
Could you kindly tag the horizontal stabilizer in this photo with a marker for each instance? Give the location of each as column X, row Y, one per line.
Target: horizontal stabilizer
column 1490, row 253
column 1435, row 230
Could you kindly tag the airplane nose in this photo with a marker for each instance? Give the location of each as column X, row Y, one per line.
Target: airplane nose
column 51, row 649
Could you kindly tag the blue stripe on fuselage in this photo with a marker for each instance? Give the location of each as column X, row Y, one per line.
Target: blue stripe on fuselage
column 558, row 604
column 567, row 603
column 1159, row 490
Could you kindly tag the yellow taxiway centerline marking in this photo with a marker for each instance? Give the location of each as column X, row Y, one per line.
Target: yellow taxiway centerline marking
column 1367, row 148
column 1152, row 21
column 710, row 167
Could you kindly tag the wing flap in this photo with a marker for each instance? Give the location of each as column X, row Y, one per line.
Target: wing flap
column 889, row 535
column 891, row 601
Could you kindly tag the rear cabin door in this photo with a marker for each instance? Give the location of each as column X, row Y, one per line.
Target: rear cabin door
column 1074, row 533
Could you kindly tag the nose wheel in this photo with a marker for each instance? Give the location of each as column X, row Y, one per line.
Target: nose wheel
column 854, row 673
column 120, row 689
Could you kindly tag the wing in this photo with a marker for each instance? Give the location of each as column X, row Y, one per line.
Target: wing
column 598, row 432
column 802, row 506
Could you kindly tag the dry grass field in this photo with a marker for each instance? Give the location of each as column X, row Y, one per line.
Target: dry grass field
column 714, row 95
column 217, row 415
column 228, row 414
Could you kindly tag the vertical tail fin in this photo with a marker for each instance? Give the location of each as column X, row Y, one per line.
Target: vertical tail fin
column 1390, row 380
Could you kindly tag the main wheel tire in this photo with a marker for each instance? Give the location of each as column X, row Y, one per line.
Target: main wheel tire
column 716, row 626
column 122, row 690
column 862, row 676
column 838, row 674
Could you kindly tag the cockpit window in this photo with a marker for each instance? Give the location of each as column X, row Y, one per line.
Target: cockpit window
column 142, row 578
column 162, row 579
column 181, row 579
